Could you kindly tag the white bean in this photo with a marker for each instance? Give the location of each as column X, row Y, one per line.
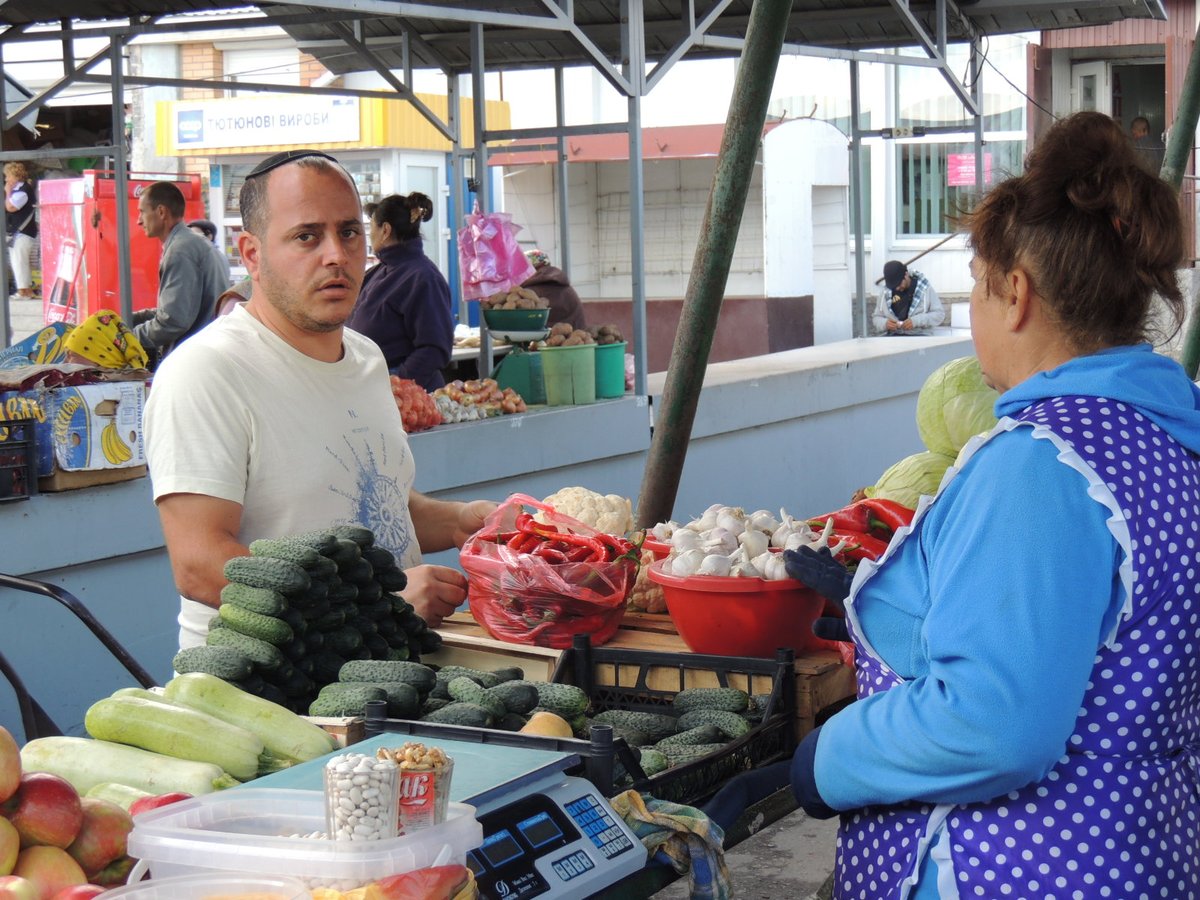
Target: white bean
column 361, row 795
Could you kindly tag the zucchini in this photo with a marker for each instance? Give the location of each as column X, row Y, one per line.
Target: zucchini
column 419, row 676
column 121, row 794
column 85, row 763
column 175, row 731
column 282, row 732
column 265, row 628
column 265, row 572
column 224, row 662
column 728, row 699
column 259, row 600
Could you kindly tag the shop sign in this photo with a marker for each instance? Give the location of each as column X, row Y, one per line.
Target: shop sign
column 960, row 169
column 258, row 121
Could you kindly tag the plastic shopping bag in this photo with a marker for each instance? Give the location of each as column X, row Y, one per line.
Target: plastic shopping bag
column 535, row 598
column 489, row 257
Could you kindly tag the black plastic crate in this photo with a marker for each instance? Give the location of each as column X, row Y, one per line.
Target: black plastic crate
column 18, row 460
column 640, row 681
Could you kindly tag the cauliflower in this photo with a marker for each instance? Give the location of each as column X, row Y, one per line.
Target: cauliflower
column 607, row 513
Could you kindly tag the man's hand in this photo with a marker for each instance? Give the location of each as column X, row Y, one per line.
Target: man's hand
column 435, row 592
column 470, row 519
column 892, row 325
column 908, row 325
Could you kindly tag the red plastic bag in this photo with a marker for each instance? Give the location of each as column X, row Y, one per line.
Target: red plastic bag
column 489, row 257
column 524, row 599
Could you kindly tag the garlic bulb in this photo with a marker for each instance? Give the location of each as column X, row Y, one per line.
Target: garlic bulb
column 719, row 540
column 775, row 569
column 744, row 570
column 714, row 564
column 735, row 525
column 685, row 539
column 762, row 520
column 754, row 542
column 687, row 563
column 663, row 530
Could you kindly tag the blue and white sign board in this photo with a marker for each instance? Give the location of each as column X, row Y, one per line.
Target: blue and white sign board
column 258, row 121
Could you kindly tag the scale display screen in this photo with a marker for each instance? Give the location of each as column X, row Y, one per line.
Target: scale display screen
column 539, row 830
column 499, row 848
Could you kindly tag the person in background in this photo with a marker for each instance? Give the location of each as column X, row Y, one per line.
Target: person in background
column 551, row 282
column 20, row 205
column 404, row 306
column 1028, row 713
column 908, row 303
column 190, row 277
column 208, row 231
column 277, row 419
column 1150, row 148
column 103, row 339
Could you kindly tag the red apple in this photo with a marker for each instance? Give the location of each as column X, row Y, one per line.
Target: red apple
column 142, row 804
column 50, row 868
column 13, row 887
column 45, row 809
column 10, row 764
column 80, row 892
column 10, row 844
column 116, row 873
column 102, row 835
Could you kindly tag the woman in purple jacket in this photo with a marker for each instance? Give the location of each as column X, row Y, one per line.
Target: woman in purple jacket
column 404, row 305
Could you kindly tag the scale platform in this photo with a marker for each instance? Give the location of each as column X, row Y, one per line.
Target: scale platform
column 546, row 834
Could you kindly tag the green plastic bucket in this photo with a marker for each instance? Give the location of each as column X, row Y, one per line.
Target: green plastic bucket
column 522, row 372
column 610, row 371
column 570, row 374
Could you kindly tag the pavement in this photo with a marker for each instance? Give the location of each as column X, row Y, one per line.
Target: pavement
column 791, row 859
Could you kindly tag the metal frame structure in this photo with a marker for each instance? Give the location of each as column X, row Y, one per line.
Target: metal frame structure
column 631, row 43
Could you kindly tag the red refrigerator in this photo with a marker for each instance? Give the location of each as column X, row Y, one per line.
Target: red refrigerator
column 79, row 238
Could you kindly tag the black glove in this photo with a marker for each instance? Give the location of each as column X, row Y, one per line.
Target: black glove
column 142, row 315
column 820, row 571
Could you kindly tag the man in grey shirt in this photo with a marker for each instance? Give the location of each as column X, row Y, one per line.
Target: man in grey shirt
column 190, row 277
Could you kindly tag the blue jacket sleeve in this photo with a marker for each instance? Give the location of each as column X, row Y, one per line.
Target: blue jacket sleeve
column 993, row 611
column 427, row 313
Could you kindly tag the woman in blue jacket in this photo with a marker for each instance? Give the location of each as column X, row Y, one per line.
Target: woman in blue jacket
column 1028, row 651
column 404, row 305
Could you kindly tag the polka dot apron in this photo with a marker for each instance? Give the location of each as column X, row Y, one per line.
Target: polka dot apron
column 1119, row 814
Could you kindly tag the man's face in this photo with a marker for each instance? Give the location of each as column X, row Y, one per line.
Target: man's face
column 1140, row 130
column 309, row 263
column 151, row 218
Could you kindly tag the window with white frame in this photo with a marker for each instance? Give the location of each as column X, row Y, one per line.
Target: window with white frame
column 278, row 65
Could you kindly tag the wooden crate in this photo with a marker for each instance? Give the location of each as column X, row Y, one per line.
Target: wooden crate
column 821, row 678
column 345, row 730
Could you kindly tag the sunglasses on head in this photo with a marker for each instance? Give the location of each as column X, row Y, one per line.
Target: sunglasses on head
column 287, row 156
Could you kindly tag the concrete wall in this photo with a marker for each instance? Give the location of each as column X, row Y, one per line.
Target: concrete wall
column 800, row 430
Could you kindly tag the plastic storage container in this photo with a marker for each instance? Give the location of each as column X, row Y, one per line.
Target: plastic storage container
column 258, row 831
column 570, row 374
column 610, row 371
column 203, row 887
column 18, row 460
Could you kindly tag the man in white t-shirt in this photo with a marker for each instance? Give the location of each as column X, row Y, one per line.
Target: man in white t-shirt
column 275, row 420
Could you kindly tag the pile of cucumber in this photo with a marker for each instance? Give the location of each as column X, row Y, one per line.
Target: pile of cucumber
column 297, row 609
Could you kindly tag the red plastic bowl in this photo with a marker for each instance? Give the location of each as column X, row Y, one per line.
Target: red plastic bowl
column 741, row 616
column 658, row 548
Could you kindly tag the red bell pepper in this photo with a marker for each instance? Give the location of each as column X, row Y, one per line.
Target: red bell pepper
column 434, row 883
column 888, row 514
column 858, row 546
column 877, row 518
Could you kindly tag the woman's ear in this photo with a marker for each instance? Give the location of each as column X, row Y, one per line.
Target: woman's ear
column 1020, row 297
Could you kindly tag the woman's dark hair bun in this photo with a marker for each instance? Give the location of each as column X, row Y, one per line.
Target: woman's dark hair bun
column 417, row 200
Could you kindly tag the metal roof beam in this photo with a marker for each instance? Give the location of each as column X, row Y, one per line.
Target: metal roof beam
column 73, row 74
column 389, row 9
column 601, row 63
column 517, row 134
column 154, row 81
column 403, row 90
column 864, row 56
column 695, row 30
column 931, row 45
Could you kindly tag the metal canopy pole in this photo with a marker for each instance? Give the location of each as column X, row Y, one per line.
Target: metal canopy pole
column 5, row 269
column 457, row 196
column 1179, row 147
column 633, row 42
column 482, row 194
column 714, row 254
column 121, row 178
column 564, row 206
column 856, row 210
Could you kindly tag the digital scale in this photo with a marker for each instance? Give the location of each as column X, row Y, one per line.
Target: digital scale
column 546, row 834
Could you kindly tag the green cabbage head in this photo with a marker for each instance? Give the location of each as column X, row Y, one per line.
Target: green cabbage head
column 954, row 404
column 907, row 480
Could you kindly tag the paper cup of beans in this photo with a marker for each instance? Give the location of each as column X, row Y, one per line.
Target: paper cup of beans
column 425, row 774
column 361, row 793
